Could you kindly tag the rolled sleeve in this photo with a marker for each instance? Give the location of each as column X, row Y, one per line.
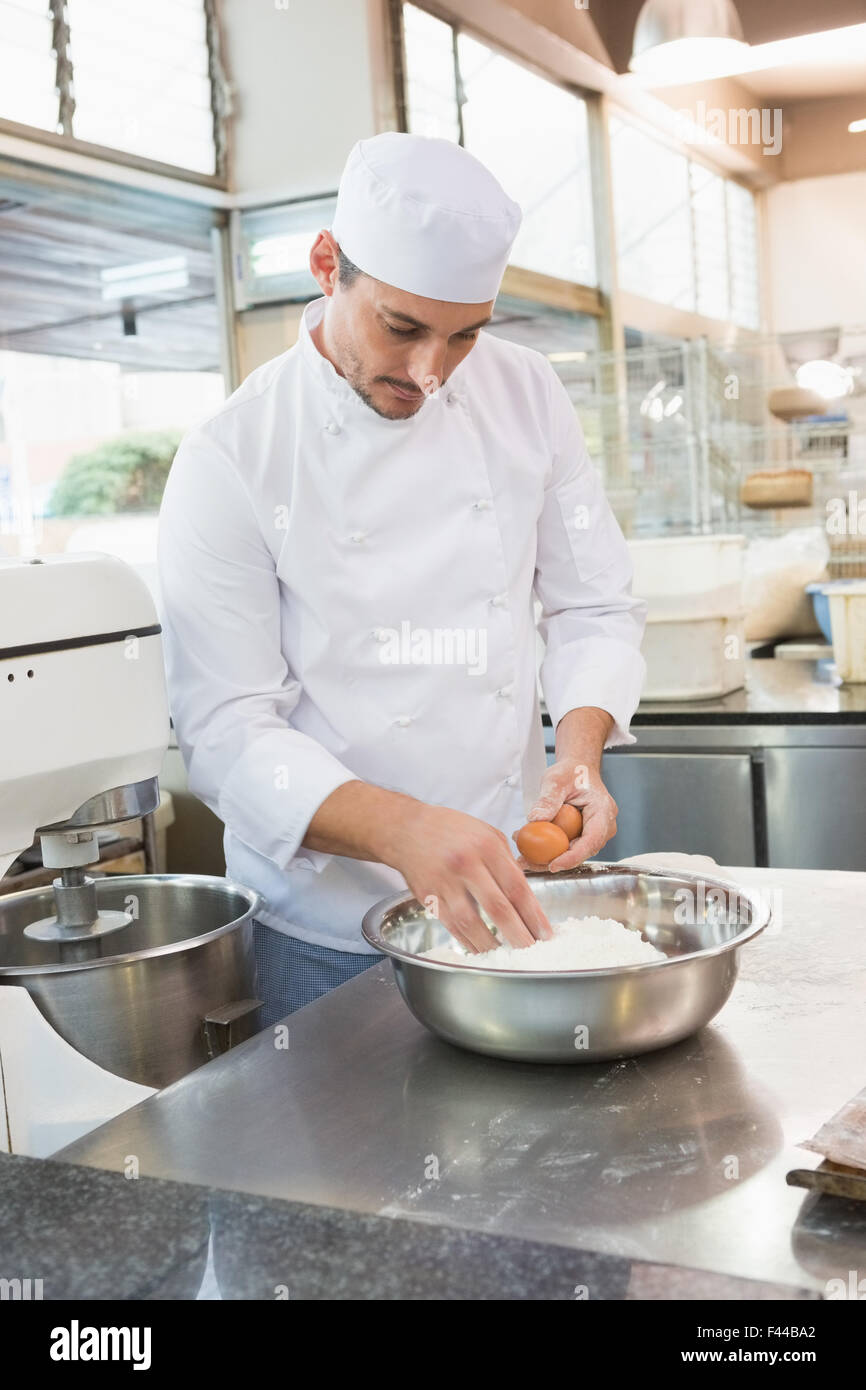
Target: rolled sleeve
column 591, row 624
column 231, row 692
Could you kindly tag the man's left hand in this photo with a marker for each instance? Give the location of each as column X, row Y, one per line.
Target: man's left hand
column 578, row 785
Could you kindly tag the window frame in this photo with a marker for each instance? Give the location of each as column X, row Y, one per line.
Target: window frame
column 551, row 289
column 609, row 299
column 244, row 277
column 57, row 139
column 693, row 156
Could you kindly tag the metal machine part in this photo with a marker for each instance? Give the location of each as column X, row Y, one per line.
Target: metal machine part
column 156, row 1000
column 699, row 924
column 68, row 846
column 148, row 976
column 108, row 807
column 77, row 918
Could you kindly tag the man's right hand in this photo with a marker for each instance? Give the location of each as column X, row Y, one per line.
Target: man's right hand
column 455, row 864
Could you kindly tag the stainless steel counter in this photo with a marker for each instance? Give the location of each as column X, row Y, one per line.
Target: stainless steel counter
column 729, row 777
column 677, row 1157
column 777, row 690
column 785, row 697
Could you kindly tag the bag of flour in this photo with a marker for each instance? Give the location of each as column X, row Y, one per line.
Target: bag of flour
column 776, row 572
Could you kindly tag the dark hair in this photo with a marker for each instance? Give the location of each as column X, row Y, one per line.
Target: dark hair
column 348, row 272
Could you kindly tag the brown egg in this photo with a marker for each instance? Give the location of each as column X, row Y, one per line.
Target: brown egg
column 540, row 841
column 570, row 820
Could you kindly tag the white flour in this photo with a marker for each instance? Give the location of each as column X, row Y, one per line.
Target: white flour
column 578, row 943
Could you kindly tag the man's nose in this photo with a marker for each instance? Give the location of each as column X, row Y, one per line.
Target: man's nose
column 426, row 362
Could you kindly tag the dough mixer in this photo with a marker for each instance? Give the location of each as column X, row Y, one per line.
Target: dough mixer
column 140, row 977
column 84, row 722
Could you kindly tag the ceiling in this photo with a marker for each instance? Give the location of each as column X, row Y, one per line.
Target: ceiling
column 763, row 21
column 56, row 239
column 806, row 82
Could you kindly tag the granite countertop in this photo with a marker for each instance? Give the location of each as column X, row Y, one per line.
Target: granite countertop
column 171, row 1240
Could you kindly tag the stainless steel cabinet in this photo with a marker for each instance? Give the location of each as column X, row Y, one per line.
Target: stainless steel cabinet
column 784, row 794
column 690, row 803
column 816, row 808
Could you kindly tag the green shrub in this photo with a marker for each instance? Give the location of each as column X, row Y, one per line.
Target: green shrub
column 126, row 474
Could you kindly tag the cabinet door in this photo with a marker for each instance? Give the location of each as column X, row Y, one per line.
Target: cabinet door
column 816, row 807
column 688, row 803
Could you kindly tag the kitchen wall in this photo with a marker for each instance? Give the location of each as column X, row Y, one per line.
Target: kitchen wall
column 816, row 252
column 309, row 80
column 194, row 840
column 264, row 333
column 817, row 139
column 303, row 76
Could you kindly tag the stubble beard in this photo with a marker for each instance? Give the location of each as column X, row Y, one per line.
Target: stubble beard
column 361, row 384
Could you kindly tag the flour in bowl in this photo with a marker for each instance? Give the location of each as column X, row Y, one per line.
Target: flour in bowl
column 578, row 943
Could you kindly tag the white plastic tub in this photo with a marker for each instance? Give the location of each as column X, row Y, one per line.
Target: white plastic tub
column 694, row 658
column 689, row 576
column 847, row 599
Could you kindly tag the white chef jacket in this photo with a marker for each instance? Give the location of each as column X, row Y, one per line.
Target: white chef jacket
column 312, row 555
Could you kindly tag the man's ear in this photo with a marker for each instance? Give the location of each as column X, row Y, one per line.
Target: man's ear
column 325, row 262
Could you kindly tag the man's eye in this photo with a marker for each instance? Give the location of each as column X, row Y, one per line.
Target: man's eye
column 407, row 333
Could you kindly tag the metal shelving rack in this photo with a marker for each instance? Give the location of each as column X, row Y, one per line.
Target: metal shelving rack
column 676, row 445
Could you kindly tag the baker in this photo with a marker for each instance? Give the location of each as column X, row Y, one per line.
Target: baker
column 350, row 553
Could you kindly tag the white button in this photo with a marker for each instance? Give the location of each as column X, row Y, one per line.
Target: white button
column 511, row 781
column 505, row 691
column 358, row 537
column 332, row 427
column 483, row 504
column 404, row 721
column 499, row 600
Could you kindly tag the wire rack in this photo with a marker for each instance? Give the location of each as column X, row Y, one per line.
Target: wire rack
column 677, row 428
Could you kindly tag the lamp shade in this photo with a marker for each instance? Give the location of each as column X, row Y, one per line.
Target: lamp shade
column 671, row 35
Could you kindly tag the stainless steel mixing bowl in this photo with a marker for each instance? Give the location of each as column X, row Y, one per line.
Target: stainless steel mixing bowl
column 583, row 1015
column 156, row 998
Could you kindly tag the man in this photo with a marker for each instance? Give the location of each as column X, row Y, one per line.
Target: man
column 349, row 552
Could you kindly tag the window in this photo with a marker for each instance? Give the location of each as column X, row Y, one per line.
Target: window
column 140, row 86
column 651, row 215
column 530, row 132
column 533, row 135
column 27, row 63
column 742, row 226
column 712, row 291
column 275, row 247
column 109, row 351
column 431, row 75
column 568, row 340
column 686, row 236
column 132, row 78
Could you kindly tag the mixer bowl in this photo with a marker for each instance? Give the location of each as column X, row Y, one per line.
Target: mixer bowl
column 586, row 1015
column 158, row 997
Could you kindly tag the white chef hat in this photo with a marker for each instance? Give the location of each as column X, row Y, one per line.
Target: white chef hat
column 425, row 216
